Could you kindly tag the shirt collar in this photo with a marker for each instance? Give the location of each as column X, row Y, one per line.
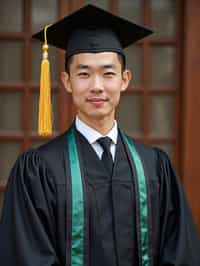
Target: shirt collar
column 92, row 135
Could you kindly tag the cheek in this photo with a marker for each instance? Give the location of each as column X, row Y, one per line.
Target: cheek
column 114, row 85
column 79, row 87
column 114, row 88
column 115, row 97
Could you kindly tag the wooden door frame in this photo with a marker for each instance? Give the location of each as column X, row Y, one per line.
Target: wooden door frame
column 191, row 107
column 188, row 142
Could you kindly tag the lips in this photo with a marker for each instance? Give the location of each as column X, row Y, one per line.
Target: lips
column 96, row 99
column 97, row 102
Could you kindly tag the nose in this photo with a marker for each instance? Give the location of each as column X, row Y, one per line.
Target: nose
column 97, row 84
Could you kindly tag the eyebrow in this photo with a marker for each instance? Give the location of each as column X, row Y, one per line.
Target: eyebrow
column 107, row 66
column 81, row 66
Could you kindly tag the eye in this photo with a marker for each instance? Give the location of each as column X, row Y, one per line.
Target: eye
column 83, row 74
column 109, row 74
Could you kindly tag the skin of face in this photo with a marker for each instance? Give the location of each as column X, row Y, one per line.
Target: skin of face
column 96, row 82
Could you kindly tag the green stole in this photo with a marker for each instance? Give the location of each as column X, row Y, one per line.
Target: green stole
column 77, row 239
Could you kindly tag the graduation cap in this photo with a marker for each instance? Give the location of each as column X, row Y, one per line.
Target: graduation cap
column 90, row 29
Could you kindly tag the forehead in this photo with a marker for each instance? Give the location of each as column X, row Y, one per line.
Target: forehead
column 96, row 59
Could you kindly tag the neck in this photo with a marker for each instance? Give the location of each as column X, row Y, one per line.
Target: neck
column 103, row 126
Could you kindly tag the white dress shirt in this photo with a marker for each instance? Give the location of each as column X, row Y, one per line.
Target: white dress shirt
column 92, row 135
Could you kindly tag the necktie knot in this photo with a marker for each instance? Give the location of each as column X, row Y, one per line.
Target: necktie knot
column 105, row 143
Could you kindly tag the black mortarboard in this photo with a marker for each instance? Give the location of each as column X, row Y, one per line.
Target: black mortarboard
column 90, row 29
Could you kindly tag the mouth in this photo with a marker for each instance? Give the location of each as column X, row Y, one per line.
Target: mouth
column 97, row 102
column 97, row 99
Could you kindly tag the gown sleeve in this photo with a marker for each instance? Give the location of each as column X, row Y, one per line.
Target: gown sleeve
column 180, row 243
column 27, row 227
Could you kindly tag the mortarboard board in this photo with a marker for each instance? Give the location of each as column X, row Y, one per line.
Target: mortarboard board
column 97, row 30
column 90, row 29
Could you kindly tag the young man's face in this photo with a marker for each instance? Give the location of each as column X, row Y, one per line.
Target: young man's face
column 96, row 81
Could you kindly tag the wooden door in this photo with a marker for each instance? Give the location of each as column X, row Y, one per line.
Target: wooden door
column 151, row 109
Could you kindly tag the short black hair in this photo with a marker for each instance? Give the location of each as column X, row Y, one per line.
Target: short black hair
column 68, row 62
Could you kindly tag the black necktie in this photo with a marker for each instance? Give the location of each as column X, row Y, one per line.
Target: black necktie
column 106, row 156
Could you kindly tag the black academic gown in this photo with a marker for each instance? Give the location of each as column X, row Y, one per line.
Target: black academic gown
column 35, row 228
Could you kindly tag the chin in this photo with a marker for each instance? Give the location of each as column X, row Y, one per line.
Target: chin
column 100, row 115
column 94, row 116
column 97, row 114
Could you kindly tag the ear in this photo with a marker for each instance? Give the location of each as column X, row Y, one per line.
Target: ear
column 126, row 77
column 66, row 81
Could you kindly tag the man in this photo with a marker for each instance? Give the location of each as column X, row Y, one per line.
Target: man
column 94, row 196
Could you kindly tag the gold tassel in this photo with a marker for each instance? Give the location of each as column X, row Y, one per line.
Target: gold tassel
column 45, row 107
